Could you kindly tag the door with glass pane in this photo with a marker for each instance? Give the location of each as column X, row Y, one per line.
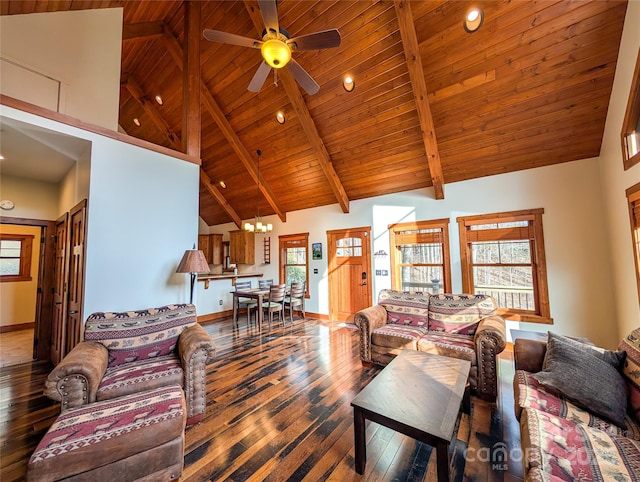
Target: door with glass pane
column 349, row 254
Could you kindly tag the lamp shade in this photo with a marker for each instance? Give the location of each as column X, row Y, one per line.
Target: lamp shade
column 193, row 261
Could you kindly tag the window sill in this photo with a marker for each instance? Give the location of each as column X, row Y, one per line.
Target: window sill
column 529, row 318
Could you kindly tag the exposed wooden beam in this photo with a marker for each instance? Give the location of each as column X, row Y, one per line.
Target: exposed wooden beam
column 142, row 31
column 419, row 86
column 191, row 116
column 215, row 192
column 153, row 113
column 175, row 50
column 306, row 121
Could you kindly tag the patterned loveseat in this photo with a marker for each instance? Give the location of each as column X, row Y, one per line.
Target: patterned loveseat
column 134, row 351
column 578, row 407
column 457, row 325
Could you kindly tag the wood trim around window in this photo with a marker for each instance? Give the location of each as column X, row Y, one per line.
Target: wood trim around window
column 536, row 236
column 26, row 246
column 633, row 198
column 631, row 116
column 443, row 225
column 282, row 245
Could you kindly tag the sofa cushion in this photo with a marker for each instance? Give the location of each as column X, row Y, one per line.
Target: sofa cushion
column 631, row 370
column 141, row 375
column 449, row 344
column 556, row 448
column 137, row 335
column 529, row 393
column 101, row 433
column 405, row 307
column 459, row 313
column 397, row 336
column 573, row 369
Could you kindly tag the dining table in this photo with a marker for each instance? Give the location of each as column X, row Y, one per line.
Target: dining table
column 258, row 294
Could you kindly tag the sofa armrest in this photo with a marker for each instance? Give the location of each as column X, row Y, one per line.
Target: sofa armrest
column 75, row 380
column 367, row 321
column 529, row 354
column 490, row 339
column 196, row 349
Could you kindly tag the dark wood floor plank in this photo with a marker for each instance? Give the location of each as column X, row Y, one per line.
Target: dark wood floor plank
column 279, row 408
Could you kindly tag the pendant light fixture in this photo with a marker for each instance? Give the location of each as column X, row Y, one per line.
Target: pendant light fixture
column 258, row 226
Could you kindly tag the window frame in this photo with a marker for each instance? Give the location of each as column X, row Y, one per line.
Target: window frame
column 542, row 312
column 633, row 200
column 631, row 117
column 394, row 229
column 26, row 250
column 283, row 244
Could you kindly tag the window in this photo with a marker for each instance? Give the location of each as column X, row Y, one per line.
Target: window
column 294, row 261
column 631, row 123
column 633, row 196
column 346, row 247
column 502, row 255
column 15, row 257
column 420, row 256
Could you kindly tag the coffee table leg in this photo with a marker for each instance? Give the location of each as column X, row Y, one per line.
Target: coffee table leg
column 360, row 442
column 442, row 454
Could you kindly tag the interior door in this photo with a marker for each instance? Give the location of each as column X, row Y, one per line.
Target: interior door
column 349, row 252
column 58, row 332
column 77, row 232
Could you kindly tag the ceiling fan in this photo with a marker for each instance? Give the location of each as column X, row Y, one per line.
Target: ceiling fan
column 276, row 47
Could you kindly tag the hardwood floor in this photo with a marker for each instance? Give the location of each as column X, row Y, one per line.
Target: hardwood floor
column 279, row 409
column 16, row 347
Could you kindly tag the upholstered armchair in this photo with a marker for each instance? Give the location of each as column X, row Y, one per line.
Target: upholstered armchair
column 134, row 351
column 462, row 326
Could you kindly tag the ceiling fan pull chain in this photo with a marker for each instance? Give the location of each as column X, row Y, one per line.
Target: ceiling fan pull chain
column 275, row 77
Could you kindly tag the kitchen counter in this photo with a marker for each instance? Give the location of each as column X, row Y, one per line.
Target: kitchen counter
column 213, row 277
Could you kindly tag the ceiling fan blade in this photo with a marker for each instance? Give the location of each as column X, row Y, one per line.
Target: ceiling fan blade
column 302, row 77
column 269, row 11
column 259, row 77
column 230, row 38
column 325, row 39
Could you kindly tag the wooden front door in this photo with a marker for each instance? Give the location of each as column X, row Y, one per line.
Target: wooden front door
column 58, row 332
column 349, row 252
column 77, row 232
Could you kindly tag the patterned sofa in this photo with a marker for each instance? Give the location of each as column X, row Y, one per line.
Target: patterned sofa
column 130, row 352
column 457, row 325
column 578, row 407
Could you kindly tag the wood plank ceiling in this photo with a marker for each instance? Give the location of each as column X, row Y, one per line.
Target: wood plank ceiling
column 531, row 88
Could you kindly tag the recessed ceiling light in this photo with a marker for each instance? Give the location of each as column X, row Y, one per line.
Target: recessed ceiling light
column 473, row 19
column 136, row 121
column 348, row 83
column 280, row 117
column 223, row 184
column 159, row 100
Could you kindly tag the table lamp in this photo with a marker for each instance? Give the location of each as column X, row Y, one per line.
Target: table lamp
column 193, row 262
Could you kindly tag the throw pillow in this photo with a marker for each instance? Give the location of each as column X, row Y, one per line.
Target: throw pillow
column 588, row 377
column 614, row 358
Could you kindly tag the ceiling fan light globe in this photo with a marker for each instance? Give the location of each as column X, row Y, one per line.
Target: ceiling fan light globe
column 276, row 53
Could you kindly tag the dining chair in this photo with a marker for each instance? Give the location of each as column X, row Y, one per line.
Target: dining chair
column 275, row 304
column 265, row 283
column 245, row 302
column 296, row 298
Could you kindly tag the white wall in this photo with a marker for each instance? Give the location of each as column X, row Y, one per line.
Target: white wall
column 143, row 214
column 579, row 281
column 616, row 180
column 63, row 46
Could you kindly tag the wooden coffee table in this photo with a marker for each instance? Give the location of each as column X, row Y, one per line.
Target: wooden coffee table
column 417, row 394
